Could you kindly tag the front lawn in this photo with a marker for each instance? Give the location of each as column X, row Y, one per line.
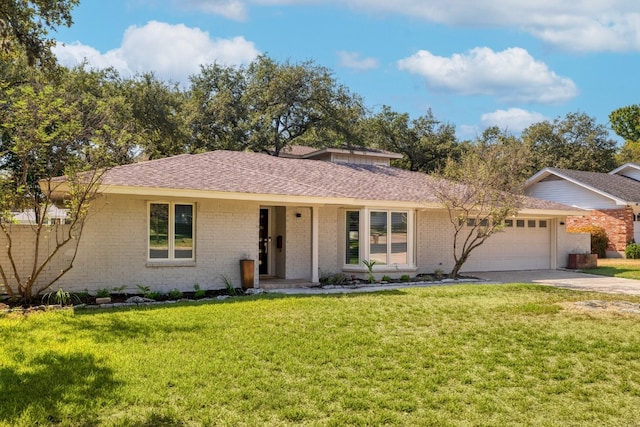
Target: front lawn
column 444, row 356
column 617, row 267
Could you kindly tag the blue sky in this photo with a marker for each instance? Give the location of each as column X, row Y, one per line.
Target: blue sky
column 475, row 63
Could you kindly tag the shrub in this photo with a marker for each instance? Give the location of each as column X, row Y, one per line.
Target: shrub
column 174, row 294
column 599, row 239
column 60, row 297
column 198, row 292
column 148, row 293
column 102, row 293
column 405, row 278
column 632, row 251
column 386, row 278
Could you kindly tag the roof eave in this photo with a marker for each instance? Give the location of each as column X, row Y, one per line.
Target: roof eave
column 281, row 199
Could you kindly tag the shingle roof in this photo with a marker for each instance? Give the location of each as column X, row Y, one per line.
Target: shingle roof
column 618, row 186
column 257, row 173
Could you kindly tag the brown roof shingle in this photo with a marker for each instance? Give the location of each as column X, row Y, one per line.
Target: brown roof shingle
column 257, row 173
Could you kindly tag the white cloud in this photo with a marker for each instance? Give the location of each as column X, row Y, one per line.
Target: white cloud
column 353, row 60
column 515, row 120
column 172, row 52
column 577, row 25
column 232, row 9
column 511, row 75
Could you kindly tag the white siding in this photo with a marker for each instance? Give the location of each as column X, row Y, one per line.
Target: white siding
column 566, row 192
column 632, row 173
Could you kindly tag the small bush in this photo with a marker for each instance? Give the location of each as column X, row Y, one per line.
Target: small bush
column 60, row 297
column 174, row 294
column 632, row 251
column 102, row 293
column 198, row 292
column 156, row 295
column 386, row 278
column 148, row 293
column 599, row 239
column 405, row 278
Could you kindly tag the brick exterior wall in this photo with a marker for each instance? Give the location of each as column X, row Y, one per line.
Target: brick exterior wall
column 618, row 223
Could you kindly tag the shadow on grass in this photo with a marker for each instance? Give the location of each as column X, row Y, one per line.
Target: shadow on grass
column 55, row 388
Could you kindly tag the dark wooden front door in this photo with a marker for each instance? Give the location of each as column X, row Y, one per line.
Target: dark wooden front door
column 263, row 248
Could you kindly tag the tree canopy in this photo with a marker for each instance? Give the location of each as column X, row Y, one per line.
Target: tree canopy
column 625, row 122
column 268, row 106
column 425, row 142
column 24, row 26
column 573, row 142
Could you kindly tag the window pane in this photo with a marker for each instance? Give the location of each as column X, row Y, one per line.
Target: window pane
column 183, row 240
column 159, row 230
column 353, row 238
column 398, row 238
column 378, row 238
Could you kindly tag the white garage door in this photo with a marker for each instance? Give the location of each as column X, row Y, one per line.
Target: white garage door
column 524, row 245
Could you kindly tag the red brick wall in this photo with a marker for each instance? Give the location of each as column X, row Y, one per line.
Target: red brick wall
column 618, row 224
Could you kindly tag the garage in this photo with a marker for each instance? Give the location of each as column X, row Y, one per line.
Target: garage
column 524, row 244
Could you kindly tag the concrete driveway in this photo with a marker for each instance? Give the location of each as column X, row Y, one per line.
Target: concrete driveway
column 565, row 279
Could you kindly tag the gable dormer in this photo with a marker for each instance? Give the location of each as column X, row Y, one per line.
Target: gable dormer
column 628, row 170
column 359, row 155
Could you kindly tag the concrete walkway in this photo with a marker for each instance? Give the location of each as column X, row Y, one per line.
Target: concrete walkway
column 560, row 278
column 565, row 279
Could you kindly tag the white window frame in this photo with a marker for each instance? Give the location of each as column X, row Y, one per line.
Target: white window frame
column 364, row 237
column 171, row 233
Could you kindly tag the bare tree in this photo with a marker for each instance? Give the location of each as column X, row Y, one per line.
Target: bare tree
column 478, row 195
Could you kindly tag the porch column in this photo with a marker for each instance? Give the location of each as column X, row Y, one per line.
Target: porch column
column 314, row 244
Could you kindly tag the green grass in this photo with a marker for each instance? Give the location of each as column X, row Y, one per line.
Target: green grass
column 444, row 356
column 617, row 267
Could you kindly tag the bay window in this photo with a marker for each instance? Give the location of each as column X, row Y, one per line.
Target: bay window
column 171, row 231
column 383, row 236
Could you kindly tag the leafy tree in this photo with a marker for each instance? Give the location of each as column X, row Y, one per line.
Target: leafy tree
column 425, row 142
column 515, row 158
column 48, row 129
column 218, row 114
column 24, row 26
column 575, row 142
column 285, row 101
column 159, row 114
column 474, row 192
column 625, row 122
column 268, row 106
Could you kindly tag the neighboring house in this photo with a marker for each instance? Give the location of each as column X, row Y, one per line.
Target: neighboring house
column 613, row 199
column 55, row 215
column 174, row 222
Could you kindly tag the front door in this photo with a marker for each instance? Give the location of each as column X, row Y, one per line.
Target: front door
column 263, row 244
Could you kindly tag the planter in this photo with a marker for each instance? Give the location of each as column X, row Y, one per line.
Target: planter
column 582, row 261
column 247, row 268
